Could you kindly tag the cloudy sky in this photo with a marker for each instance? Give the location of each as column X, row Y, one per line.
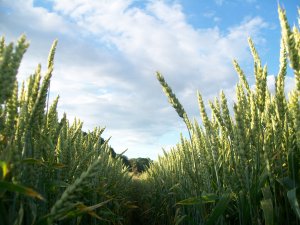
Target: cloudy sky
column 109, row 51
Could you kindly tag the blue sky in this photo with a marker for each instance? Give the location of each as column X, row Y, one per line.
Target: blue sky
column 109, row 51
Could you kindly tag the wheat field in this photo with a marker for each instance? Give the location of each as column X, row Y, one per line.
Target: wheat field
column 240, row 165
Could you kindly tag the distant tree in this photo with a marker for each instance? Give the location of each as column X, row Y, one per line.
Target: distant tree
column 139, row 165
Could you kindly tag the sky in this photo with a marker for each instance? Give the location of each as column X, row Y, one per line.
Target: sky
column 109, row 51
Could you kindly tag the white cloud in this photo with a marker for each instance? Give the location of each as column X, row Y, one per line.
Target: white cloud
column 107, row 56
column 219, row 2
column 251, row 1
column 290, row 84
column 35, row 18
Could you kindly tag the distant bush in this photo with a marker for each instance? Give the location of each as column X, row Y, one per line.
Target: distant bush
column 139, row 165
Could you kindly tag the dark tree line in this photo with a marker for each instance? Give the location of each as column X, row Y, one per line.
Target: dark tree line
column 135, row 165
